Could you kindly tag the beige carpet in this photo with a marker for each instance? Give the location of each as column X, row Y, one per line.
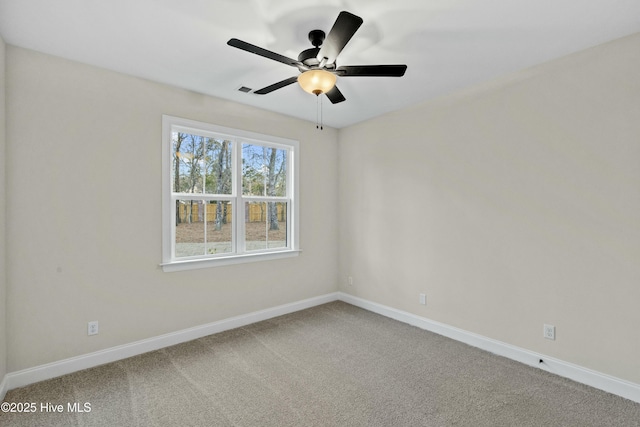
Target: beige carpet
column 332, row 365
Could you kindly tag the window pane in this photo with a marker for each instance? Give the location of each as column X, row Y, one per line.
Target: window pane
column 265, row 225
column 218, row 166
column 264, row 171
column 203, row 228
column 277, row 227
column 219, row 227
column 188, row 154
column 189, row 228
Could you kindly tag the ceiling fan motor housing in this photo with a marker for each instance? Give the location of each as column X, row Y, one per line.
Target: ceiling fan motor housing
column 309, row 57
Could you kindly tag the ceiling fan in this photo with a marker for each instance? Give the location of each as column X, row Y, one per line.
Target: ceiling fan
column 317, row 65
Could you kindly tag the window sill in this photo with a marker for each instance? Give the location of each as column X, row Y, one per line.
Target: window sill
column 194, row 264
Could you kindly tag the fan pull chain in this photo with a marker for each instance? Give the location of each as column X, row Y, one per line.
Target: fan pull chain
column 319, row 120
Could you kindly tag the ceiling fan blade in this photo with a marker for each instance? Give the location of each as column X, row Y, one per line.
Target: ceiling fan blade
column 343, row 29
column 371, row 71
column 335, row 95
column 264, row 52
column 275, row 86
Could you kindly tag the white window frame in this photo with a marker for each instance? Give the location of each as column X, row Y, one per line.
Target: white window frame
column 238, row 137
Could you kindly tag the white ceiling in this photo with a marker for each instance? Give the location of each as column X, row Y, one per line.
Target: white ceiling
column 447, row 44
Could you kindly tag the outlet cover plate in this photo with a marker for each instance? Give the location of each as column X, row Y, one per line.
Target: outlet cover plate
column 92, row 328
column 549, row 332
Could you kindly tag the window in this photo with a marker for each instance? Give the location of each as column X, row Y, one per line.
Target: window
column 229, row 196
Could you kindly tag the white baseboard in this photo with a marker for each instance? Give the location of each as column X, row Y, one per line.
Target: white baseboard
column 4, row 387
column 85, row 361
column 577, row 373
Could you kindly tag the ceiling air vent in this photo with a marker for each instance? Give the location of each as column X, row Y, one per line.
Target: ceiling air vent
column 244, row 89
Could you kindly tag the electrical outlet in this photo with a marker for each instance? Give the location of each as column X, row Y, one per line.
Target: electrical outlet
column 92, row 328
column 549, row 332
column 350, row 281
column 423, row 299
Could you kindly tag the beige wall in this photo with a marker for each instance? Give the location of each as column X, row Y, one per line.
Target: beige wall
column 84, row 222
column 514, row 204
column 3, row 277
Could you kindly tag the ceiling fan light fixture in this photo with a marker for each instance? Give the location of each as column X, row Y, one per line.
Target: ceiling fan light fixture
column 317, row 81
